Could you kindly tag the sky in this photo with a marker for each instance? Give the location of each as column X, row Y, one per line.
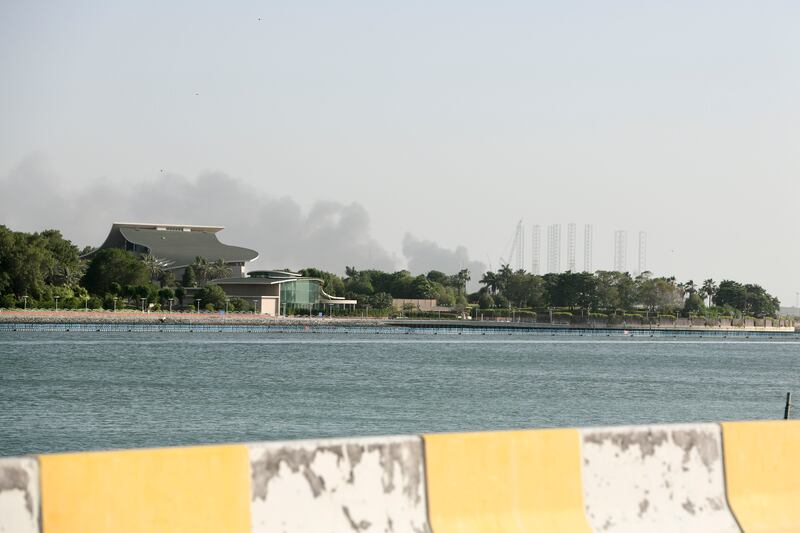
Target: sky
column 413, row 134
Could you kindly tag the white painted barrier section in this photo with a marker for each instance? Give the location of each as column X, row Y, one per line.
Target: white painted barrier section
column 655, row 478
column 366, row 484
column 19, row 495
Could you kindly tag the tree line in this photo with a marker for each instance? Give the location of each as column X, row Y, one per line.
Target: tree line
column 45, row 270
column 609, row 291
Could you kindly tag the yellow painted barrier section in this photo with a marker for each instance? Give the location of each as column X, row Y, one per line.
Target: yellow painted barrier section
column 197, row 490
column 505, row 481
column 762, row 470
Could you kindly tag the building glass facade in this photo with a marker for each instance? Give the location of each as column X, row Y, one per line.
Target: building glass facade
column 302, row 292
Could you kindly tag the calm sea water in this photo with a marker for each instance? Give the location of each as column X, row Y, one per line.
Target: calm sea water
column 77, row 391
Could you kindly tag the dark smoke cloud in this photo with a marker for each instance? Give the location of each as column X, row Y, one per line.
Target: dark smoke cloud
column 329, row 235
column 424, row 256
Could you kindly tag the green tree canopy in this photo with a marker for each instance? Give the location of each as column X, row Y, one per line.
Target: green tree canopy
column 112, row 265
column 213, row 295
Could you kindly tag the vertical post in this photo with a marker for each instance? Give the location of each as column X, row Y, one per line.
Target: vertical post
column 788, row 408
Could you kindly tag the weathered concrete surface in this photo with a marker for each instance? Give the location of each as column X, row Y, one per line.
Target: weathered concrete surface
column 366, row 484
column 19, row 495
column 655, row 478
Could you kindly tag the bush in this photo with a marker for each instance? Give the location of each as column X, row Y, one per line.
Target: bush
column 486, row 301
column 212, row 295
column 241, row 305
column 8, row 301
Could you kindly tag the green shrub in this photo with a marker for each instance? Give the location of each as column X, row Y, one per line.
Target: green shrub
column 8, row 301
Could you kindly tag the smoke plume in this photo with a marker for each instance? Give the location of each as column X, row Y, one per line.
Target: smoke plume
column 328, row 235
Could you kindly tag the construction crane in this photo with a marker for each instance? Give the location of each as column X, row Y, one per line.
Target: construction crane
column 516, row 248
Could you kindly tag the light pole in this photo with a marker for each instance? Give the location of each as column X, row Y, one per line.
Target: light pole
column 143, row 299
column 56, row 299
column 227, row 301
column 115, row 304
column 170, row 304
column 86, row 306
column 255, row 302
column 25, row 299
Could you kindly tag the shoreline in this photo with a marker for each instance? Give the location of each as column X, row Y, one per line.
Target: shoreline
column 236, row 322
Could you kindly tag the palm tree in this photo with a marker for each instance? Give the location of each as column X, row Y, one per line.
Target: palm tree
column 490, row 280
column 155, row 265
column 503, row 276
column 690, row 287
column 200, row 267
column 218, row 269
column 709, row 290
column 460, row 280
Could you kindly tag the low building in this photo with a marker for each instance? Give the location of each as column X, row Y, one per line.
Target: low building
column 419, row 304
column 278, row 292
column 177, row 245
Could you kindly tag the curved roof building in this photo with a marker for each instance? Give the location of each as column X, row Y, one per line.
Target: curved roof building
column 177, row 245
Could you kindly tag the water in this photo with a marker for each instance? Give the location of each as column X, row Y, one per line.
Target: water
column 77, row 391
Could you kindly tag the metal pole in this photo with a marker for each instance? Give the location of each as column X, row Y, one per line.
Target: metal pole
column 57, row 297
column 788, row 408
column 198, row 304
column 170, row 305
column 86, row 307
column 143, row 299
column 25, row 299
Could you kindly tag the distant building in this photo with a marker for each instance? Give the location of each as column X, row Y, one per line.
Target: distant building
column 790, row 311
column 571, row 245
column 419, row 304
column 587, row 247
column 536, row 250
column 642, row 252
column 621, row 251
column 554, row 248
column 275, row 292
column 177, row 245
column 272, row 292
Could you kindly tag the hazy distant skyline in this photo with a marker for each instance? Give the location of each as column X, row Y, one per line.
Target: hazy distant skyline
column 416, row 128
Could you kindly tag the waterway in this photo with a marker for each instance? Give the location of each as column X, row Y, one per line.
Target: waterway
column 86, row 390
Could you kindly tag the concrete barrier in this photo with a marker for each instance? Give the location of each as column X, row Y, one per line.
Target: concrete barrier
column 19, row 495
column 369, row 484
column 511, row 481
column 762, row 465
column 198, row 489
column 618, row 479
column 655, row 478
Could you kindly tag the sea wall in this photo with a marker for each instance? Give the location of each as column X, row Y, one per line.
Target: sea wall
column 733, row 476
column 9, row 318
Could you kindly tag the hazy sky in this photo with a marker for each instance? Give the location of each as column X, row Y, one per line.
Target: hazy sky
column 398, row 132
